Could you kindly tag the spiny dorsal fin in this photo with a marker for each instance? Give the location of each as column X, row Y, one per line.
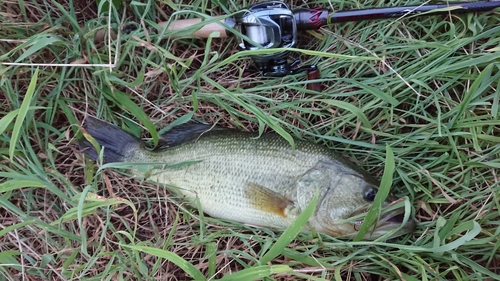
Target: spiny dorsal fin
column 185, row 133
column 267, row 200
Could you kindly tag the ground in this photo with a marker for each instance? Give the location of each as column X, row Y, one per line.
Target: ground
column 427, row 87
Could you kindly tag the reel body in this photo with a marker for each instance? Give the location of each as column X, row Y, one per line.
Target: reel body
column 269, row 25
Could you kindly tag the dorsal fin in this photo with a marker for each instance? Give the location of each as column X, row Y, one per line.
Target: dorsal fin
column 185, row 133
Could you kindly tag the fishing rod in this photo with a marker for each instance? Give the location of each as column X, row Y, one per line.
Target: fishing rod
column 272, row 24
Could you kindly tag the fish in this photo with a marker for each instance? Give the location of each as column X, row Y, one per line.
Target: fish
column 257, row 180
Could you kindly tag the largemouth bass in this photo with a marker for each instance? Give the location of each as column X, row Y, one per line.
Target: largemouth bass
column 259, row 181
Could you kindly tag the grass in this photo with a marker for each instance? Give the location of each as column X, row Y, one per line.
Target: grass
column 426, row 87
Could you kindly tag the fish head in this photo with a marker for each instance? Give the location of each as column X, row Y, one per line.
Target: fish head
column 345, row 198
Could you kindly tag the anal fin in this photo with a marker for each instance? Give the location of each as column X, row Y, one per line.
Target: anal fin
column 267, row 200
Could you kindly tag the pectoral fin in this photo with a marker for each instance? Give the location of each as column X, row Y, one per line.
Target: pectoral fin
column 267, row 200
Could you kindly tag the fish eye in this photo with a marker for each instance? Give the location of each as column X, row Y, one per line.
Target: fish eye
column 370, row 194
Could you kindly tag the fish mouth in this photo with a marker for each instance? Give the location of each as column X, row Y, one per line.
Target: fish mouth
column 392, row 221
column 399, row 218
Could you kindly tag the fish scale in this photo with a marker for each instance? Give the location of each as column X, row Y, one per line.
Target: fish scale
column 240, row 176
column 221, row 185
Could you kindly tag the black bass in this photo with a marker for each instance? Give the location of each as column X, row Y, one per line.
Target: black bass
column 255, row 180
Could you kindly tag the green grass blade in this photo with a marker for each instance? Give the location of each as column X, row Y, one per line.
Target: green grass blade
column 211, row 255
column 384, row 190
column 257, row 272
column 6, row 121
column 15, row 226
column 38, row 44
column 20, row 120
column 377, row 92
column 291, row 232
column 185, row 265
column 11, row 185
column 123, row 100
column 344, row 105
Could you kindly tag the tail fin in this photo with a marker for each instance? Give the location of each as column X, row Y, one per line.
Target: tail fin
column 117, row 143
